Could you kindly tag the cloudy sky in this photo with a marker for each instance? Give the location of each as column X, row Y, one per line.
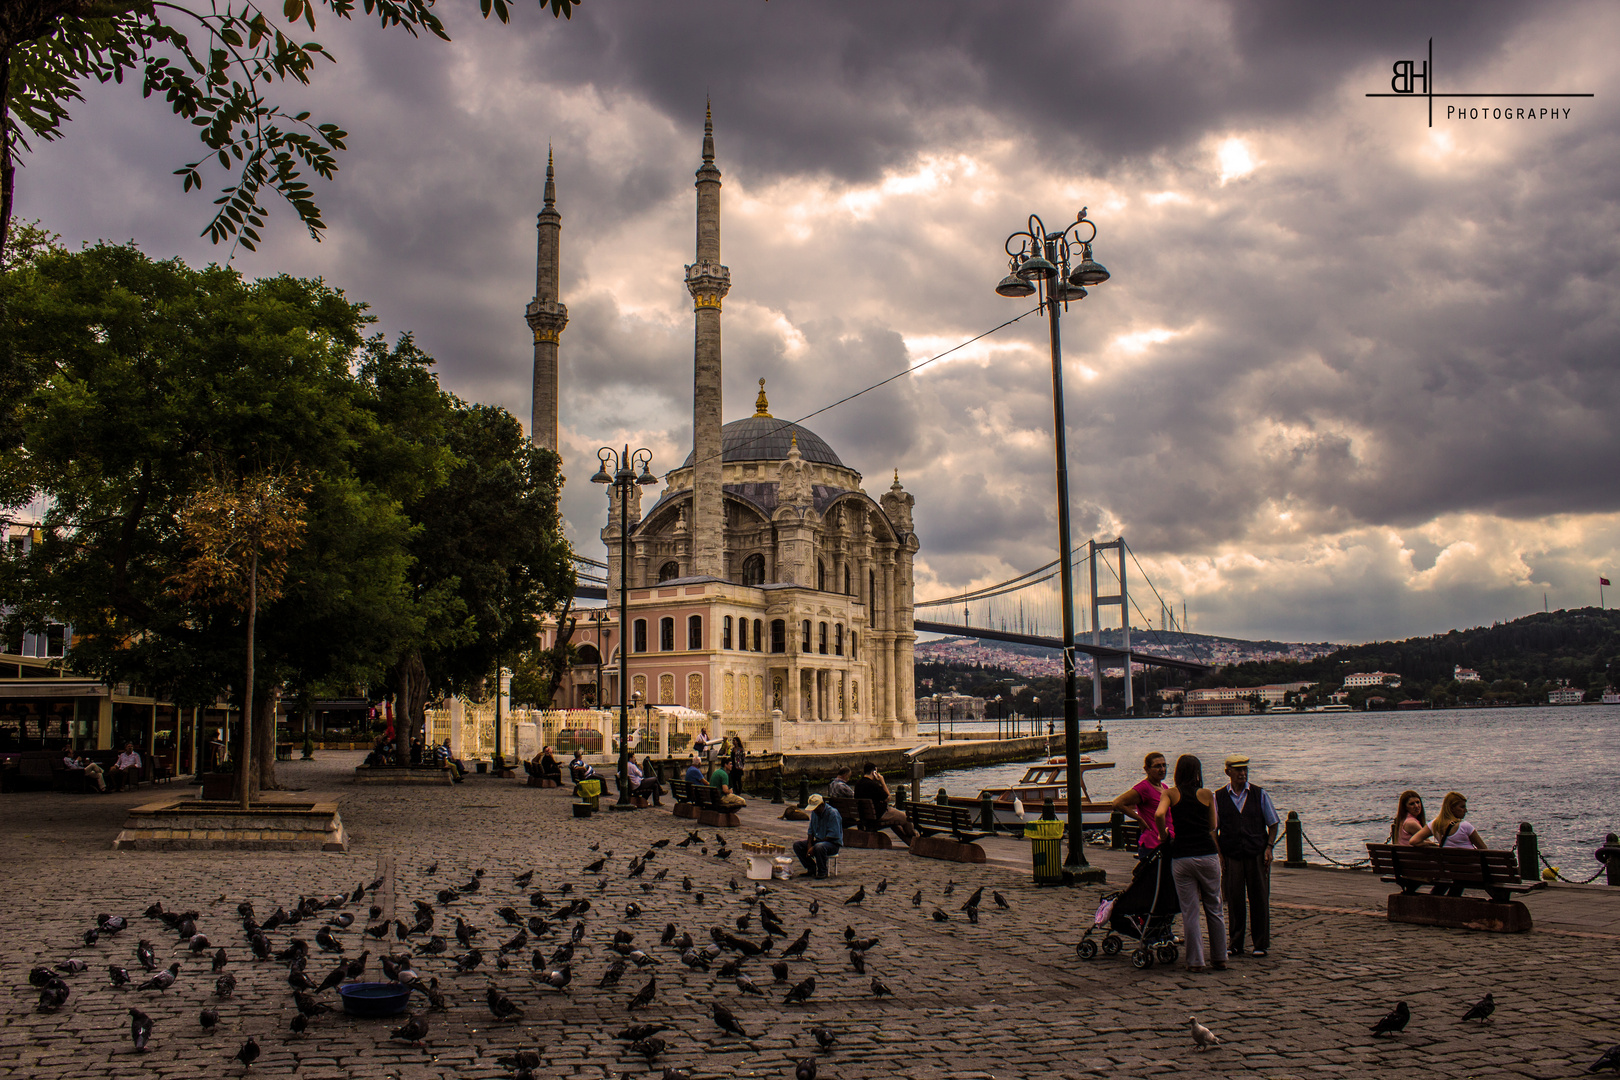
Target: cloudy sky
column 1353, row 377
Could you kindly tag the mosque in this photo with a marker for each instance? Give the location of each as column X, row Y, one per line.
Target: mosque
column 763, row 578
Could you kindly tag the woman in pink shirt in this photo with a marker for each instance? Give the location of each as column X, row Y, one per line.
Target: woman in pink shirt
column 1141, row 801
column 1409, row 819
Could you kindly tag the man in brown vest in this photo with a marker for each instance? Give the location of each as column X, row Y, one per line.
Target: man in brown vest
column 1247, row 830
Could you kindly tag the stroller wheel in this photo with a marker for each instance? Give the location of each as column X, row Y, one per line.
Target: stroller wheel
column 1087, row 949
column 1167, row 954
column 1141, row 959
column 1112, row 944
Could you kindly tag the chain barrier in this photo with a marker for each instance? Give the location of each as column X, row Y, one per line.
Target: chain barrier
column 1570, row 881
column 1329, row 858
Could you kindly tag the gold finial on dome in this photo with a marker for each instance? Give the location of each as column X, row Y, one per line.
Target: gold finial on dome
column 897, row 476
column 795, row 440
column 762, row 407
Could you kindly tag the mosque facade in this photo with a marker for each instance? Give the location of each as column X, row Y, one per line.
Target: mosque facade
column 763, row 578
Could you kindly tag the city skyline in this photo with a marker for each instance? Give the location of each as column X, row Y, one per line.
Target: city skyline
column 1352, row 379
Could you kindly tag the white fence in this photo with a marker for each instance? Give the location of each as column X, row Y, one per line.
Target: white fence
column 657, row 730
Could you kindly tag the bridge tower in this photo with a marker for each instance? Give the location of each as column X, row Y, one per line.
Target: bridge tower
column 1123, row 600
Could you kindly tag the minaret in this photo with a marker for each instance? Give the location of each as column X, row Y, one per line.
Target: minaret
column 546, row 317
column 708, row 282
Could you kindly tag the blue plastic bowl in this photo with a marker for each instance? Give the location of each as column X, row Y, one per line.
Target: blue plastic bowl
column 374, row 999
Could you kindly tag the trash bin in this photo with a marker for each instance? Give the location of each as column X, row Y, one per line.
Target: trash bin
column 1046, row 850
column 589, row 792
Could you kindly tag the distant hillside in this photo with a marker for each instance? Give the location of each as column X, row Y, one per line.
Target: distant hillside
column 1033, row 660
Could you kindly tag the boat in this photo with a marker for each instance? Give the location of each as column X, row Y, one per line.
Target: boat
column 1049, row 778
column 1340, row 707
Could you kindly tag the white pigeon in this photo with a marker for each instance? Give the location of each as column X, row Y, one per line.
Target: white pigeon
column 1204, row 1037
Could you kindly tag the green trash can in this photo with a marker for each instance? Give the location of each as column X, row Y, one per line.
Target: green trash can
column 1046, row 850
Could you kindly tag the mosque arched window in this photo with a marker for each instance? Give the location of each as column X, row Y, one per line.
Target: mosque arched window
column 640, row 642
column 671, row 569
column 759, row 635
column 778, row 635
column 753, row 571
column 838, row 640
column 806, row 647
column 823, row 643
column 725, row 632
column 666, row 634
column 694, row 631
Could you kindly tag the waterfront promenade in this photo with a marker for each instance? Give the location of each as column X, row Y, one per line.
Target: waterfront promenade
column 1006, row 998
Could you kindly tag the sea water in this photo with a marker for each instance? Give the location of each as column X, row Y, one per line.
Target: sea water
column 1557, row 768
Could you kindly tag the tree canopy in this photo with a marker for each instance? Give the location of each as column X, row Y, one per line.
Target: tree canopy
column 431, row 530
column 212, row 64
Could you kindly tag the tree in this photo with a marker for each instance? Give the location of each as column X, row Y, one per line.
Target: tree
column 49, row 48
column 243, row 534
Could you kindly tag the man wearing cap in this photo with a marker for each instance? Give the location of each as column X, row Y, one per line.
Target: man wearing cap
column 1247, row 831
column 823, row 839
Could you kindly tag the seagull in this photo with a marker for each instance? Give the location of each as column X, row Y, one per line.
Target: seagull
column 1201, row 1035
column 1482, row 1010
column 140, row 1030
column 1394, row 1020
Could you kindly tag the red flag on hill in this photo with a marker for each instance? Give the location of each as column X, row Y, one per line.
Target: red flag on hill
column 1604, row 581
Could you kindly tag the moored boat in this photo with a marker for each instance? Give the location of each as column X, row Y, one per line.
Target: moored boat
column 1026, row 800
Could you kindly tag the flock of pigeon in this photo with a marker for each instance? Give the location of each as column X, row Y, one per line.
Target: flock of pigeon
column 548, row 931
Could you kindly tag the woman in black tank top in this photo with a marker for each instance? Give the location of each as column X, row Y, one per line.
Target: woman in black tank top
column 1196, row 862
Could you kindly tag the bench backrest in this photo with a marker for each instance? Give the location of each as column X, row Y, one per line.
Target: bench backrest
column 1467, row 866
column 937, row 816
column 681, row 790
column 857, row 813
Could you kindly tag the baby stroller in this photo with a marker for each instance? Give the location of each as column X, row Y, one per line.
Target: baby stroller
column 1145, row 912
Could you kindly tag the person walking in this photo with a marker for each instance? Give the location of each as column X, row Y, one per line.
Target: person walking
column 1195, row 866
column 1248, row 830
column 1141, row 801
column 823, row 838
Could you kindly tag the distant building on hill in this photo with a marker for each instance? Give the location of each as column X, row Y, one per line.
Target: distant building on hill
column 1462, row 674
column 1371, row 678
column 1565, row 695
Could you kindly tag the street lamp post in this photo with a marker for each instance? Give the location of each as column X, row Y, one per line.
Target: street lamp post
column 600, row 616
column 1045, row 263
column 624, row 477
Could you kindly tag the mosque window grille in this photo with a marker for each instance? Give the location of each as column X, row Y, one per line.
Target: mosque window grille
column 694, row 632
column 639, row 640
column 753, row 571
column 671, row 569
column 666, row 634
column 725, row 632
column 778, row 635
column 759, row 635
column 822, row 645
column 807, row 646
column 838, row 640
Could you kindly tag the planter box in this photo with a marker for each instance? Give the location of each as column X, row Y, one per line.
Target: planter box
column 218, row 787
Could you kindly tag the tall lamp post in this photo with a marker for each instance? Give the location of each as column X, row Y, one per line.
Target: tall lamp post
column 1058, row 266
column 619, row 469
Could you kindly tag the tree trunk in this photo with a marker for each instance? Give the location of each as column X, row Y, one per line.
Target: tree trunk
column 264, row 726
column 410, row 703
column 8, row 174
column 244, row 759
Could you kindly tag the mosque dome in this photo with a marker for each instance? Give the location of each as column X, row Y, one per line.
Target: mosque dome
column 762, row 437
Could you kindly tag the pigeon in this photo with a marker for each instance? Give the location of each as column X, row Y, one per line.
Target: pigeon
column 645, row 995
column 522, row 880
column 118, row 975
column 611, row 976
column 220, row 960
column 435, row 945
column 249, row 1052
column 468, row 960
column 431, row 868
column 686, row 884
column 863, row 945
column 209, row 1018
column 308, row 1005
column 140, row 1030
column 747, row 986
column 73, row 966
column 296, row 948
column 596, row 867
column 878, row 988
column 225, row 985
column 1610, row 1059
column 651, row 1047
column 343, row 921
column 163, row 979
column 801, row 992
column 883, row 886
column 413, row 1030
column 1001, row 901
column 824, row 1036
column 632, row 910
column 260, row 946
column 973, row 901
column 725, row 1020
column 798, row 945
column 940, row 916
column 559, row 979
column 509, row 916
column 91, row 936
column 1482, row 1010
column 916, row 898
column 815, row 908
column 325, row 939
column 516, row 944
column 144, row 953
column 563, row 953
column 1394, row 1020
column 1205, row 1038
column 299, row 1023
column 112, row 924
column 637, row 1032
column 857, row 960
column 538, row 926
column 53, row 995
column 672, row 1073
column 522, row 1060
column 357, row 966
column 779, row 969
column 501, row 1006
column 333, row 978
column 950, row 887
column 465, row 933
column 858, row 896
column 805, row 1069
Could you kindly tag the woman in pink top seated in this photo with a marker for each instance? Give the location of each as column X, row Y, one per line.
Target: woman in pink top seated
column 1409, row 819
column 1141, row 801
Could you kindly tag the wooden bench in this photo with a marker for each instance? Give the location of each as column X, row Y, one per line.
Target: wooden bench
column 702, row 803
column 539, row 779
column 932, row 821
column 861, row 828
column 686, row 804
column 1496, row 873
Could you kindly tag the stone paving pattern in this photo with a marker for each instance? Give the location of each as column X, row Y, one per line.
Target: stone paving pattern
column 1007, row 998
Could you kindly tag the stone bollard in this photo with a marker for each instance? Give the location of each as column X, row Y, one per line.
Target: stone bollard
column 987, row 813
column 1049, row 809
column 1529, row 863
column 804, row 792
column 1294, row 833
column 1116, row 830
column 943, row 799
column 778, row 797
column 1609, row 856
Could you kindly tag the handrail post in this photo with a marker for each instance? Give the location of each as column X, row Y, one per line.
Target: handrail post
column 1294, row 833
column 1529, row 866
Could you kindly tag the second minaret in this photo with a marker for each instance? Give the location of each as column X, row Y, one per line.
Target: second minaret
column 708, row 283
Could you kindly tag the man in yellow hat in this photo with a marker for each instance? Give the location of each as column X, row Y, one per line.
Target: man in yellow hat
column 1247, row 831
column 823, row 838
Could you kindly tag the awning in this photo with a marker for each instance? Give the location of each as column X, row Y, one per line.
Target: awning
column 51, row 688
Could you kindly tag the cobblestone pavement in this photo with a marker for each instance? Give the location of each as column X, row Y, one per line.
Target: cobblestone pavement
column 1007, row 998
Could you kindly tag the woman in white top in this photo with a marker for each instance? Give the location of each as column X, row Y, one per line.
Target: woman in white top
column 1450, row 831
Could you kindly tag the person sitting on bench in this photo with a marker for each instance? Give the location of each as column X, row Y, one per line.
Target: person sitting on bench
column 873, row 787
column 838, row 787
column 642, row 785
column 694, row 771
column 580, row 769
column 1451, row 831
column 729, row 800
column 823, row 838
column 92, row 771
column 550, row 767
column 126, row 771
